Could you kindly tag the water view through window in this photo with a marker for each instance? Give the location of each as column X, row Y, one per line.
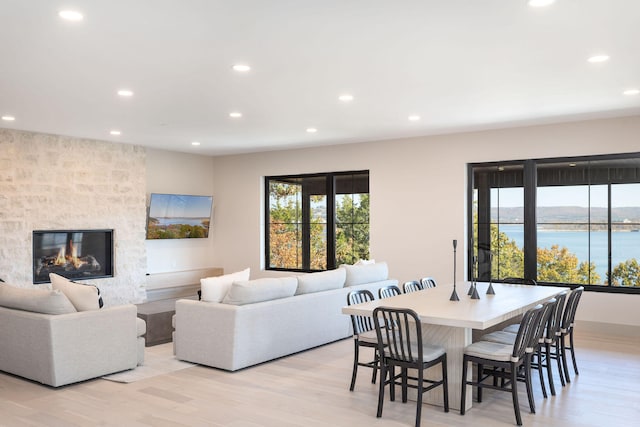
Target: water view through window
column 582, row 221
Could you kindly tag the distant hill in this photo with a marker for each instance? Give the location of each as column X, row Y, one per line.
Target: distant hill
column 569, row 214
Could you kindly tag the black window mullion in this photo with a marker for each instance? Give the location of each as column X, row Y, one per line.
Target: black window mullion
column 530, row 232
column 331, row 222
column 306, row 227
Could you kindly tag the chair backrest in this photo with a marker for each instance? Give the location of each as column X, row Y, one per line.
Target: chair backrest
column 360, row 323
column 428, row 282
column 389, row 291
column 520, row 281
column 412, row 286
column 555, row 320
column 569, row 314
column 401, row 331
column 526, row 332
column 543, row 323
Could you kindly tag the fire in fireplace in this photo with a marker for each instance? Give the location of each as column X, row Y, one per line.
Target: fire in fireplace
column 75, row 254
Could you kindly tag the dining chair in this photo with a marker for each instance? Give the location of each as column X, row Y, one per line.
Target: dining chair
column 537, row 362
column 566, row 330
column 428, row 282
column 412, row 286
column 364, row 335
column 388, row 291
column 401, row 330
column 505, row 361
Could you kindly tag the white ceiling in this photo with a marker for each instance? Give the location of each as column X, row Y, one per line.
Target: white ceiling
column 459, row 64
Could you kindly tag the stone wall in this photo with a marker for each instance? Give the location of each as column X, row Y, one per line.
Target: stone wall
column 56, row 182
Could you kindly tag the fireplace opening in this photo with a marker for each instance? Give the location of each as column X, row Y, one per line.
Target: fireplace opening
column 74, row 254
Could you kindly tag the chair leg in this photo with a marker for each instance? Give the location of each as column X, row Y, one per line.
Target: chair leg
column 419, row 397
column 356, row 350
column 405, row 375
column 527, row 382
column 565, row 367
column 392, row 382
column 540, row 374
column 376, row 365
column 480, row 370
column 445, row 384
column 558, row 351
column 514, row 394
column 463, row 392
column 547, row 352
column 383, row 380
column 573, row 353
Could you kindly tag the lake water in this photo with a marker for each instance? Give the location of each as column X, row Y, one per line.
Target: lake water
column 625, row 245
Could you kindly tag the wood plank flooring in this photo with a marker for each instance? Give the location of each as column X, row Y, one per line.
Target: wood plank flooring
column 311, row 389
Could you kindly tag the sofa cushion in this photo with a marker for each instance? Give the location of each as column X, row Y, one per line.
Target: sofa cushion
column 214, row 289
column 258, row 290
column 83, row 297
column 321, row 281
column 45, row 301
column 365, row 262
column 367, row 273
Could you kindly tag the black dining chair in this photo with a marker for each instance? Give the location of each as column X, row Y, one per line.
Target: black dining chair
column 401, row 331
column 428, row 282
column 412, row 286
column 497, row 360
column 364, row 335
column 388, row 291
column 566, row 330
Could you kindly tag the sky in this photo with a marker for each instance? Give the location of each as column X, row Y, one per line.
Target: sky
column 180, row 206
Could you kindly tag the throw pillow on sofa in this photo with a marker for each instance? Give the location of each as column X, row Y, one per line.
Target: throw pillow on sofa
column 214, row 289
column 367, row 273
column 258, row 290
column 45, row 301
column 83, row 297
column 321, row 281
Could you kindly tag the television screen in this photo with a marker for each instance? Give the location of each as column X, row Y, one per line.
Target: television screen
column 74, row 254
column 178, row 216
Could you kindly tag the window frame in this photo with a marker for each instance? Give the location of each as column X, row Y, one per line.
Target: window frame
column 530, row 185
column 330, row 179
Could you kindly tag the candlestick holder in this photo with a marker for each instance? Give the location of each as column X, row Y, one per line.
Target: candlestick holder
column 490, row 290
column 473, row 289
column 454, row 294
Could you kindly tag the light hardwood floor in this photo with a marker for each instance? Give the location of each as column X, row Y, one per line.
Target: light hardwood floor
column 311, row 389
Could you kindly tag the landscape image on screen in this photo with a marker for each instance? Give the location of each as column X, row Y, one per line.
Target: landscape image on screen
column 177, row 216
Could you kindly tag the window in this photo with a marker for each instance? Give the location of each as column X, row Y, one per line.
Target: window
column 557, row 221
column 317, row 221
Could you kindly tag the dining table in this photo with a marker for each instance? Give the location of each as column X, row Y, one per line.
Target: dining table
column 450, row 324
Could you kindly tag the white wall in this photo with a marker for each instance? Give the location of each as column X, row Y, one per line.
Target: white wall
column 418, row 193
column 179, row 173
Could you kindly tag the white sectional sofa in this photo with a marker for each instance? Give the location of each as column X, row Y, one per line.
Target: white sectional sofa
column 44, row 338
column 263, row 319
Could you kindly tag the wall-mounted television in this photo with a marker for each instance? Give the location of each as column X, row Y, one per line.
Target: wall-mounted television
column 178, row 216
column 74, row 254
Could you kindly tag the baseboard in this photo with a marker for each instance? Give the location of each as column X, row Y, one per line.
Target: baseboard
column 608, row 328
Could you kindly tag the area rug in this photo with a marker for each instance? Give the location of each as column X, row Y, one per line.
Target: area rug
column 158, row 360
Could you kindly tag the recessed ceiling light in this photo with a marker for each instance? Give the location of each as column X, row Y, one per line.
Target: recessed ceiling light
column 312, row 130
column 414, row 118
column 195, row 143
column 598, row 58
column 115, row 132
column 241, row 68
column 125, row 92
column 70, row 15
column 345, row 97
column 235, row 114
column 8, row 118
column 631, row 92
column 541, row 3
